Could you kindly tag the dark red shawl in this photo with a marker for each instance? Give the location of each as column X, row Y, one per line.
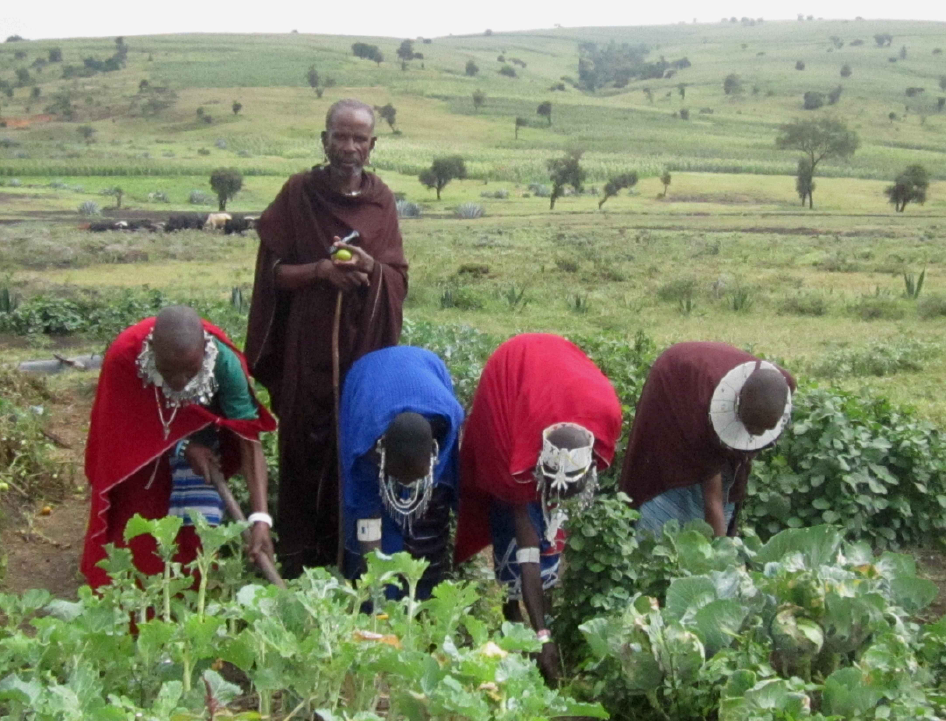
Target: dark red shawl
column 672, row 442
column 126, row 441
column 289, row 335
column 530, row 382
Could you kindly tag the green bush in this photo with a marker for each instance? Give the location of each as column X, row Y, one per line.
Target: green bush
column 876, row 307
column 861, row 462
column 807, row 304
column 877, row 358
column 679, row 289
column 931, row 306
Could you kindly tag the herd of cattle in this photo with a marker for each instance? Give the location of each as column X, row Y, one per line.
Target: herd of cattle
column 211, row 221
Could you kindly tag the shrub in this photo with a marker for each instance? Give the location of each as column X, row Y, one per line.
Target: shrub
column 199, row 197
column 470, row 211
column 540, row 190
column 677, row 290
column 508, row 70
column 813, row 100
column 221, row 143
column 407, row 209
column 158, row 196
column 807, row 304
column 800, row 65
column 203, row 151
column 89, row 207
column 877, row 358
column 845, row 70
column 460, row 297
column 501, row 194
column 876, row 307
column 931, row 306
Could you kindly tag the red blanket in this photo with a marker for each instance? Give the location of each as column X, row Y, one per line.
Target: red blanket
column 531, row 382
column 125, row 459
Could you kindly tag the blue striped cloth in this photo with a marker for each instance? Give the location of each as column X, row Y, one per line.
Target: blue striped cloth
column 682, row 504
column 191, row 494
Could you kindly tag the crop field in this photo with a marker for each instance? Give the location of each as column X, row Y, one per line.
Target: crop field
column 828, row 607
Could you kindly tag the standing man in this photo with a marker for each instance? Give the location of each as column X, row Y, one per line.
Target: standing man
column 544, row 419
column 705, row 411
column 400, row 433
column 173, row 405
column 310, row 313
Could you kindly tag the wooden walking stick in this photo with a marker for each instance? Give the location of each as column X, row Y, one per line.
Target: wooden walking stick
column 265, row 563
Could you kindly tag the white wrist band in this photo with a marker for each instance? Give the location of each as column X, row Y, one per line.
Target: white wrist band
column 369, row 529
column 260, row 517
column 527, row 555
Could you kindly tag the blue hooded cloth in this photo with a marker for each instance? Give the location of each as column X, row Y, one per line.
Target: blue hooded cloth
column 378, row 387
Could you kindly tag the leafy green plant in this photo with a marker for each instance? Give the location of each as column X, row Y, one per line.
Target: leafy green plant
column 740, row 299
column 515, row 297
column 470, row 211
column 89, row 207
column 807, row 304
column 877, row 358
column 577, row 303
column 913, row 285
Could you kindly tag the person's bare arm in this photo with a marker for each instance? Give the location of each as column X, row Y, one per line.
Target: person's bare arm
column 713, row 510
column 532, row 594
column 293, row 277
column 253, row 467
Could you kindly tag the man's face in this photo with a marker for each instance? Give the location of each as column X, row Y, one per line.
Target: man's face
column 178, row 369
column 349, row 141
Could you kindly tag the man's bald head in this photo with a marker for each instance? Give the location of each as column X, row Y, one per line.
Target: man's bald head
column 408, row 445
column 762, row 400
column 178, row 345
column 347, row 105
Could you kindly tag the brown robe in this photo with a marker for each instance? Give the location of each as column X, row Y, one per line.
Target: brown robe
column 672, row 441
column 289, row 343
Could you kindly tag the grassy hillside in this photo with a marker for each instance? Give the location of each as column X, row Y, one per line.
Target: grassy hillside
column 276, row 132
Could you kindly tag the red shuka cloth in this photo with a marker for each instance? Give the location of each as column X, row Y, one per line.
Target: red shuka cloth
column 532, row 381
column 126, row 448
column 672, row 442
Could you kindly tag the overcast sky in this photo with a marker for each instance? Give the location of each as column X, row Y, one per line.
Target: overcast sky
column 36, row 19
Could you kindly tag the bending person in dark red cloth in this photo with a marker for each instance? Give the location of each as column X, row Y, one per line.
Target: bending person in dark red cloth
column 705, row 411
column 289, row 341
column 173, row 403
column 544, row 419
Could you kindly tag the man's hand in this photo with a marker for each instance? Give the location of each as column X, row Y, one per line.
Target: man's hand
column 344, row 280
column 549, row 663
column 202, row 460
column 261, row 543
column 360, row 260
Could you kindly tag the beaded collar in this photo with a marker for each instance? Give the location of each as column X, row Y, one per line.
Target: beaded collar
column 200, row 389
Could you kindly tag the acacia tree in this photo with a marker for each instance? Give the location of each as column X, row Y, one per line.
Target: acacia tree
column 617, row 184
column 818, row 139
column 520, row 123
column 732, row 85
column 564, row 171
column 388, row 114
column 665, row 180
column 405, row 53
column 545, row 110
column 442, row 171
column 226, row 183
column 909, row 187
column 479, row 98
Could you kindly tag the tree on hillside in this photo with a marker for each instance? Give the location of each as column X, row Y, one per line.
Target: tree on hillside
column 545, row 110
column 682, row 89
column 388, row 114
column 520, row 123
column 909, row 187
column 367, row 52
column 665, row 180
column 226, row 183
column 903, row 52
column 479, row 99
column 442, row 171
column 845, row 71
column 732, row 85
column 813, row 100
column 883, row 39
column 818, row 139
column 405, row 53
column 835, row 95
column 804, row 181
column 649, row 94
column 940, row 102
column 564, row 171
column 313, row 78
column 55, row 55
column 22, row 77
column 86, row 132
column 471, row 68
column 617, row 184
column 508, row 70
column 236, row 107
column 800, row 65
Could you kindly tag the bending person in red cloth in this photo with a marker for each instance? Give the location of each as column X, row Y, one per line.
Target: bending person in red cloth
column 544, row 419
column 705, row 411
column 173, row 403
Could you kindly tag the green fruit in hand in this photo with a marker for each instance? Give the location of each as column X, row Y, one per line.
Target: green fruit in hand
column 342, row 254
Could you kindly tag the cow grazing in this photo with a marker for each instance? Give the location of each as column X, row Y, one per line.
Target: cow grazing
column 217, row 221
column 237, row 225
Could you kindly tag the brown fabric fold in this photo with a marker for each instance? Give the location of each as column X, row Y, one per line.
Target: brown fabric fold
column 289, row 339
column 672, row 442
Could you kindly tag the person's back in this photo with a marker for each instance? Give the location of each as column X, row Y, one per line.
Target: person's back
column 399, row 436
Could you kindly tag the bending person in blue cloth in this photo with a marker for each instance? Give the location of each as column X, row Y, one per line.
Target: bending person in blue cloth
column 399, row 425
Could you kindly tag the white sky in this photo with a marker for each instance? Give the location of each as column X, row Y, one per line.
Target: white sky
column 37, row 19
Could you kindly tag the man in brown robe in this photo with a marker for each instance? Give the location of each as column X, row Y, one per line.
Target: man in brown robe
column 289, row 342
column 704, row 413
